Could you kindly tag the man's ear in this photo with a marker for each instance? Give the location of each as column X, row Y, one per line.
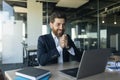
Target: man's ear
column 51, row 24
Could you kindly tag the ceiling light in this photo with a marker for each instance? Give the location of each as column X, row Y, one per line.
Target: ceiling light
column 54, row 1
column 115, row 22
column 71, row 4
column 103, row 18
column 20, row 9
column 103, row 21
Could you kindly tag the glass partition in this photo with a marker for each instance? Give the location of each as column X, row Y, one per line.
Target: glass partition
column 87, row 28
column 11, row 31
column 95, row 29
column 110, row 25
column 0, row 30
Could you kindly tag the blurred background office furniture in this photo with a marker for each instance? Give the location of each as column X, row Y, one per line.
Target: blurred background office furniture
column 29, row 55
column 31, row 52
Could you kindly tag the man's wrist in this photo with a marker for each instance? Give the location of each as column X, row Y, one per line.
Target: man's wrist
column 68, row 47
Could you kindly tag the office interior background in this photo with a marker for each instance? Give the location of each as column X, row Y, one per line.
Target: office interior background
column 91, row 24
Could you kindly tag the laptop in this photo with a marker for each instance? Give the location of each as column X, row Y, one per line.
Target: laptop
column 92, row 62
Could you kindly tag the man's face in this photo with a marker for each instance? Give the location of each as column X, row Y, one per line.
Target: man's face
column 58, row 26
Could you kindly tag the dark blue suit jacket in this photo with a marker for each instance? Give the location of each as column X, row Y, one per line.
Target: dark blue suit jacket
column 47, row 52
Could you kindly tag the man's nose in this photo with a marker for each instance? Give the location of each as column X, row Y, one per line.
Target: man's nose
column 61, row 26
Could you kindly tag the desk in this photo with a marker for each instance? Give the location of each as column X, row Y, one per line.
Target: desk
column 57, row 75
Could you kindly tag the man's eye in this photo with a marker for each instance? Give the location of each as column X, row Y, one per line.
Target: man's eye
column 58, row 24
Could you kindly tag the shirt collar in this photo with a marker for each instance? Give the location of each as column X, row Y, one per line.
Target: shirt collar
column 53, row 35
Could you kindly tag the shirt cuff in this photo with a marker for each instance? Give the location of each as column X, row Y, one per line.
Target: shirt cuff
column 71, row 51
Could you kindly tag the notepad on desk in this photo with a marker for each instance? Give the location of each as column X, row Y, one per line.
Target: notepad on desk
column 23, row 78
column 112, row 66
column 31, row 73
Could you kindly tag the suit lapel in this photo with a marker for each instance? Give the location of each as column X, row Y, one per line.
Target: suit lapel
column 52, row 42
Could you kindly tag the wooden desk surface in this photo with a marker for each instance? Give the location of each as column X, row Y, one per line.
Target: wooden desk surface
column 57, row 75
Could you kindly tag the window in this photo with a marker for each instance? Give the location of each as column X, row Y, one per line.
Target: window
column 44, row 29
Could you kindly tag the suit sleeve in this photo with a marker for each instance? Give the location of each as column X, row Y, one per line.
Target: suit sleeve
column 44, row 53
column 78, row 54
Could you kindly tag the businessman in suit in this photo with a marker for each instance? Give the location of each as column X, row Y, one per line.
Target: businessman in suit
column 56, row 47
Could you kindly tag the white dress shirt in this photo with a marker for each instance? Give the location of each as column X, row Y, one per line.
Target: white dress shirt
column 60, row 50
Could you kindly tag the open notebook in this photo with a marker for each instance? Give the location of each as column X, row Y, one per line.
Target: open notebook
column 92, row 62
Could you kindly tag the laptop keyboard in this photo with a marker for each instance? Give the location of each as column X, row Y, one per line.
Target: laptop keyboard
column 72, row 72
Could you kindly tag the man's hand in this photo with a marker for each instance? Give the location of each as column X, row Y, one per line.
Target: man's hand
column 64, row 41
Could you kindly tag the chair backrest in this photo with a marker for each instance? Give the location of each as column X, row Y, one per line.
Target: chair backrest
column 1, row 75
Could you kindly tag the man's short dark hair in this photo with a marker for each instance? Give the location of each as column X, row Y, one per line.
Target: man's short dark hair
column 57, row 14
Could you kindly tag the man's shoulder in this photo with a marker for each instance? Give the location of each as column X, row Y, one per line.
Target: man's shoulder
column 44, row 36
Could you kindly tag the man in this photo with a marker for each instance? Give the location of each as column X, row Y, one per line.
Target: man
column 56, row 47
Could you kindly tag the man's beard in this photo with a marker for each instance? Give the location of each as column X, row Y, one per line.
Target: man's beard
column 58, row 34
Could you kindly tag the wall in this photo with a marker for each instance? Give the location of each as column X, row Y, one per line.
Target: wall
column 34, row 22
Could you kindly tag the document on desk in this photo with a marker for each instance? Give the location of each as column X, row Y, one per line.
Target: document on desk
column 113, row 66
